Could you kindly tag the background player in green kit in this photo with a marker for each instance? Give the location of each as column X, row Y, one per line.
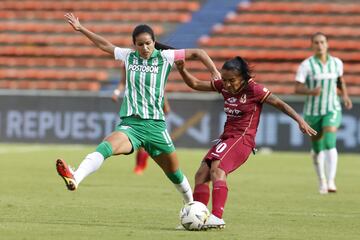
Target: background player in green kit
column 143, row 123
column 318, row 77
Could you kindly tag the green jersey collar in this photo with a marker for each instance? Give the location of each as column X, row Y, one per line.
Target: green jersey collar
column 318, row 59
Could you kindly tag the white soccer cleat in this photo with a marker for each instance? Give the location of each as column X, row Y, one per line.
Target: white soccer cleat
column 213, row 222
column 331, row 187
column 323, row 187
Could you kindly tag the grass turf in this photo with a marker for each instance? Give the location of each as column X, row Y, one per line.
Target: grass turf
column 272, row 196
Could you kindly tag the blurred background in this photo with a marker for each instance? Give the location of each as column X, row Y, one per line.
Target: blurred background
column 56, row 86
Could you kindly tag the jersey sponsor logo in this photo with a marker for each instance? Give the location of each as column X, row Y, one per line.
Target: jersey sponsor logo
column 243, row 98
column 124, row 127
column 231, row 100
column 321, row 76
column 232, row 112
column 144, row 68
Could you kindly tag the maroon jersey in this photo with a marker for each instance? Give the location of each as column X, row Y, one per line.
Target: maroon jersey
column 242, row 109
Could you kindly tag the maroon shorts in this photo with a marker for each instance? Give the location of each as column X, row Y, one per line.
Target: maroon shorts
column 232, row 153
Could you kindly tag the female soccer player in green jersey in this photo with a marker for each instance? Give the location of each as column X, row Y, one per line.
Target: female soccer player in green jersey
column 142, row 156
column 143, row 123
column 318, row 77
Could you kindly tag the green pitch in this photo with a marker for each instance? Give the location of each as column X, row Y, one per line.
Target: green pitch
column 272, row 196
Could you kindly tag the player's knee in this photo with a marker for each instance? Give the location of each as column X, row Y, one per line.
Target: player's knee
column 217, row 174
column 318, row 145
column 329, row 140
column 201, row 175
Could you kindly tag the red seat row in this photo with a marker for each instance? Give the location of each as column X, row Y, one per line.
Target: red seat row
column 301, row 7
column 63, row 27
column 285, row 31
column 280, row 18
column 121, row 16
column 273, row 42
column 59, row 40
column 100, row 5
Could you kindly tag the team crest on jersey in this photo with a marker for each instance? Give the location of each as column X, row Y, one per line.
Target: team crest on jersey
column 135, row 61
column 265, row 89
column 155, row 61
column 243, row 98
column 231, row 100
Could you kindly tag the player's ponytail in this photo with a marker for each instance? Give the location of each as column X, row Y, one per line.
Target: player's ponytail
column 240, row 65
column 161, row 46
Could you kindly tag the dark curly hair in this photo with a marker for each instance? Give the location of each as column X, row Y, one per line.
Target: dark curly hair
column 240, row 65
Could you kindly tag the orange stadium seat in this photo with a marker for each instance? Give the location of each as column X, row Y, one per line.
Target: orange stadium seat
column 354, row 90
column 273, row 42
column 46, row 39
column 277, row 55
column 160, row 16
column 258, row 17
column 101, row 5
column 288, row 30
column 302, row 7
column 123, row 28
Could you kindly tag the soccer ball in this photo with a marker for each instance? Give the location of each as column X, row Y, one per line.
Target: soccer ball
column 193, row 215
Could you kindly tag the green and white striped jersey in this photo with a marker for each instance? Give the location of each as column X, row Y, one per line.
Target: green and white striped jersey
column 313, row 73
column 145, row 82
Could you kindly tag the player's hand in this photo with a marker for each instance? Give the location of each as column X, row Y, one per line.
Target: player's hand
column 215, row 75
column 316, row 91
column 74, row 21
column 115, row 98
column 347, row 102
column 180, row 65
column 305, row 128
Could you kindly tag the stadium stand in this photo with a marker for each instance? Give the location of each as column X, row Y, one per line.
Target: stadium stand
column 274, row 37
column 40, row 51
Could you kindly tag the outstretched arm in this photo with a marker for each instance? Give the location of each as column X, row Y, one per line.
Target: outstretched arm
column 99, row 41
column 285, row 108
column 192, row 81
column 342, row 87
column 200, row 54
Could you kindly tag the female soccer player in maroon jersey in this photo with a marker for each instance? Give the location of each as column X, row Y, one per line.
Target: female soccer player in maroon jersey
column 243, row 100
